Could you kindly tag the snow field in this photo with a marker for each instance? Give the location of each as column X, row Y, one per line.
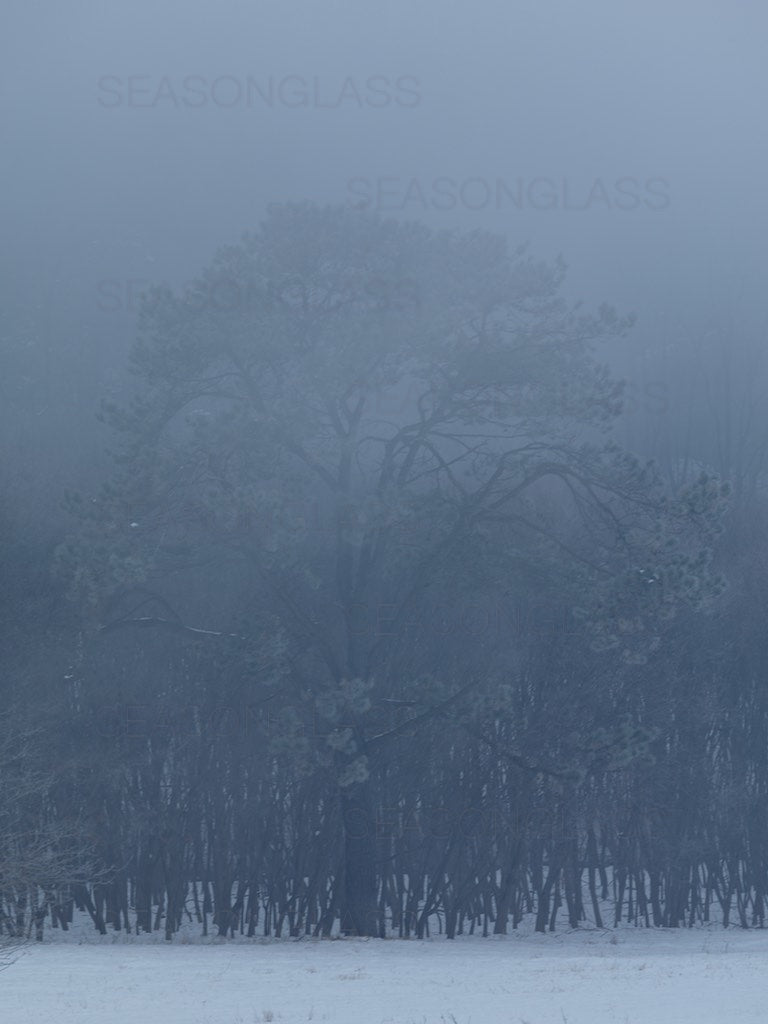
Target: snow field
column 630, row 976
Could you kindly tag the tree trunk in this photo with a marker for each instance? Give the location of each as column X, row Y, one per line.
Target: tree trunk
column 359, row 905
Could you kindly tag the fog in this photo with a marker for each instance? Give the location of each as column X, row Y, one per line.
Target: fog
column 137, row 141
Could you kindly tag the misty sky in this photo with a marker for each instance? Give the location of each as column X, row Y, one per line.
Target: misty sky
column 139, row 137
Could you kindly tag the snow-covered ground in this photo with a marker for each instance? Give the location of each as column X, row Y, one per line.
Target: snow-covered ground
column 632, row 976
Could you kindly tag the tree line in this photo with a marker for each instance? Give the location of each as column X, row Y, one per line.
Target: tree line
column 374, row 627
